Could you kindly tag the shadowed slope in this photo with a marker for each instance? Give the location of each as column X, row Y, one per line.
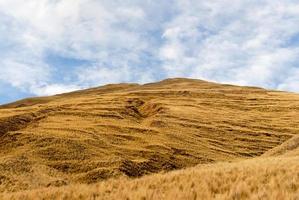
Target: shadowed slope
column 133, row 130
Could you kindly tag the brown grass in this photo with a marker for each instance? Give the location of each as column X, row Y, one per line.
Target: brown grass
column 288, row 148
column 130, row 130
column 267, row 178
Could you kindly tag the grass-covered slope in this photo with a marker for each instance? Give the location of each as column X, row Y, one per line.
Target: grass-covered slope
column 266, row 178
column 288, row 148
column 130, row 130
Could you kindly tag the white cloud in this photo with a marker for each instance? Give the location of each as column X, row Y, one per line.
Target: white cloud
column 246, row 42
column 52, row 89
column 101, row 32
column 291, row 83
column 23, row 75
column 101, row 75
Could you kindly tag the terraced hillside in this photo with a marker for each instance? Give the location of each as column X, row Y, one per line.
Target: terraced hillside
column 132, row 130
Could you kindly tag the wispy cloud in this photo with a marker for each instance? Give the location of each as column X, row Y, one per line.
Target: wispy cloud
column 243, row 42
column 54, row 46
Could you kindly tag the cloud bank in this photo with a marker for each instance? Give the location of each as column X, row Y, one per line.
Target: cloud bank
column 55, row 46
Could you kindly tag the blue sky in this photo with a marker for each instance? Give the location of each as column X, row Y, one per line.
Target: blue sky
column 53, row 46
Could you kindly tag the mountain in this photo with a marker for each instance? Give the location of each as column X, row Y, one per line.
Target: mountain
column 122, row 131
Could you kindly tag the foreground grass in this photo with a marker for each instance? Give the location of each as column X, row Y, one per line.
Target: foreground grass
column 260, row 178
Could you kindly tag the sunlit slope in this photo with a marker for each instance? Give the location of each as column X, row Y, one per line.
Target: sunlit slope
column 288, row 148
column 133, row 130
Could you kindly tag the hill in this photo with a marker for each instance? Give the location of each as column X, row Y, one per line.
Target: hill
column 131, row 130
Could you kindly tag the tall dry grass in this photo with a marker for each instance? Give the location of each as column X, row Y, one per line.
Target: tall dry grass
column 288, row 148
column 261, row 178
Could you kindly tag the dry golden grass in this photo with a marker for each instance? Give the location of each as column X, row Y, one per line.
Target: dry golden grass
column 288, row 148
column 267, row 178
column 130, row 130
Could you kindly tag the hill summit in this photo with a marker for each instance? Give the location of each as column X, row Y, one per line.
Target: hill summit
column 132, row 130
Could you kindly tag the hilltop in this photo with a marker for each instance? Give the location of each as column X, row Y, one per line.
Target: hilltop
column 131, row 130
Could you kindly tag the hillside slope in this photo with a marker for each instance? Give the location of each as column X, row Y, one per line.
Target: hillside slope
column 267, row 178
column 288, row 148
column 133, row 130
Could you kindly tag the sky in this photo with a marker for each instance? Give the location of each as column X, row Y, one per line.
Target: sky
column 55, row 46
